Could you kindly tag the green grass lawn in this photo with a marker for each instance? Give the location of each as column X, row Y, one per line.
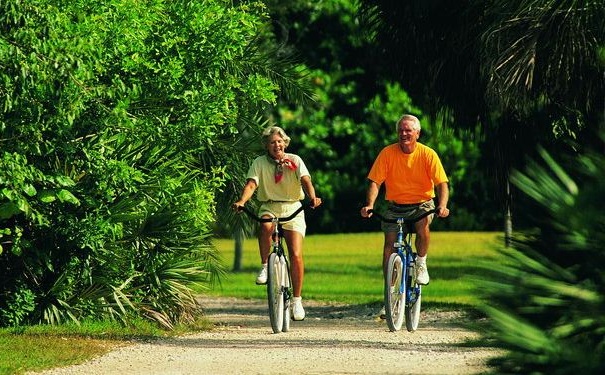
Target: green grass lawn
column 344, row 268
column 347, row 267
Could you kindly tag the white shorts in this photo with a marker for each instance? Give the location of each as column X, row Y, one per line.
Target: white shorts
column 285, row 209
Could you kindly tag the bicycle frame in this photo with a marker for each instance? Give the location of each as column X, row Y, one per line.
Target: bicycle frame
column 403, row 247
column 400, row 265
column 279, row 283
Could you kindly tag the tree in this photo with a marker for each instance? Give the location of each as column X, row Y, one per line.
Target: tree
column 532, row 73
column 526, row 70
column 117, row 125
column 354, row 115
column 545, row 300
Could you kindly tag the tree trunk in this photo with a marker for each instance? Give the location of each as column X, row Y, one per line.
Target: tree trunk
column 239, row 248
column 508, row 219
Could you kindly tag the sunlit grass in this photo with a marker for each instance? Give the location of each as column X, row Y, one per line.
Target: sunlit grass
column 346, row 268
column 24, row 349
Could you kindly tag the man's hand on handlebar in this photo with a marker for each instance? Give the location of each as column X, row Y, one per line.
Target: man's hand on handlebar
column 366, row 211
column 442, row 211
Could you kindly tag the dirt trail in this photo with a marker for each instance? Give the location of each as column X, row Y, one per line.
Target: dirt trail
column 332, row 339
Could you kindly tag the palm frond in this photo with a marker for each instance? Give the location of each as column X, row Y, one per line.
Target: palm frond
column 544, row 299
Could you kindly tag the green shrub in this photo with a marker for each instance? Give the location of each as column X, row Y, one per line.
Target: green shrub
column 546, row 301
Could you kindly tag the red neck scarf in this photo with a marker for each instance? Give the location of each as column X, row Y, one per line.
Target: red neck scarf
column 279, row 167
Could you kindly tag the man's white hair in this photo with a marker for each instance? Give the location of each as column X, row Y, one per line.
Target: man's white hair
column 414, row 119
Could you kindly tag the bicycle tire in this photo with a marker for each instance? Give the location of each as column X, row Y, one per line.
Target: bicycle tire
column 413, row 302
column 274, row 293
column 287, row 296
column 394, row 296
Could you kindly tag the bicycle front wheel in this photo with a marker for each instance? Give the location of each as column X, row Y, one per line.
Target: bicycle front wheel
column 275, row 293
column 412, row 305
column 394, row 293
column 287, row 296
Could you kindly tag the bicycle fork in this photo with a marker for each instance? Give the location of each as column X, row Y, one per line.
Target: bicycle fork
column 285, row 278
column 413, row 289
column 398, row 246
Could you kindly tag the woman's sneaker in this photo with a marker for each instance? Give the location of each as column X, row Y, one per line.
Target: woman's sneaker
column 261, row 279
column 298, row 312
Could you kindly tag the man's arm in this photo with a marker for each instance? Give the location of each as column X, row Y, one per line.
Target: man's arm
column 443, row 195
column 371, row 196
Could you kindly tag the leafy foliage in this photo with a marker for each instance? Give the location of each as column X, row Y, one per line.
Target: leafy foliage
column 483, row 57
column 117, row 125
column 545, row 303
column 354, row 116
column 527, row 71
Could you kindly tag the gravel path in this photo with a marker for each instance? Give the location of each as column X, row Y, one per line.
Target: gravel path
column 331, row 340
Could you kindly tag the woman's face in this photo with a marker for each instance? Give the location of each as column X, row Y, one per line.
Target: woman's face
column 276, row 146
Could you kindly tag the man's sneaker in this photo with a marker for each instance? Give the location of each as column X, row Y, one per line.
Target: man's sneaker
column 261, row 279
column 422, row 275
column 298, row 312
column 382, row 314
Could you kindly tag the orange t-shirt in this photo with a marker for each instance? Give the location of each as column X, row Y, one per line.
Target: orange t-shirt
column 409, row 178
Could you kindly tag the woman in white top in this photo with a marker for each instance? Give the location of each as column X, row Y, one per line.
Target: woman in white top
column 281, row 181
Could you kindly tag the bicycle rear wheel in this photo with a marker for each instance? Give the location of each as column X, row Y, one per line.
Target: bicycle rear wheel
column 275, row 293
column 412, row 304
column 394, row 293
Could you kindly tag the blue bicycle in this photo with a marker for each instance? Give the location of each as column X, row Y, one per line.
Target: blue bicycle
column 402, row 294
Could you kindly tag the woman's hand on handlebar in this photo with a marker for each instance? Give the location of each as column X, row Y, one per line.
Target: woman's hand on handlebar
column 314, row 202
column 237, row 206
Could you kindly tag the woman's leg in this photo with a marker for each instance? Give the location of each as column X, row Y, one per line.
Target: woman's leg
column 294, row 240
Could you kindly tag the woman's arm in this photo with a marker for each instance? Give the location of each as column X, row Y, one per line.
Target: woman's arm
column 310, row 190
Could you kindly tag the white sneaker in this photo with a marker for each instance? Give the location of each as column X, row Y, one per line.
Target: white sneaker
column 298, row 312
column 261, row 279
column 382, row 314
column 422, row 274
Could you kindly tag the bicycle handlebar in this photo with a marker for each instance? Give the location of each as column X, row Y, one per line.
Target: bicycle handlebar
column 270, row 219
column 408, row 221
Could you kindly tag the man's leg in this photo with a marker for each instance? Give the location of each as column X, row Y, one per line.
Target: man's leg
column 423, row 237
column 389, row 240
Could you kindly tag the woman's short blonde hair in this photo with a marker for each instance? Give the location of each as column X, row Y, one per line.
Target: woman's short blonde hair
column 268, row 132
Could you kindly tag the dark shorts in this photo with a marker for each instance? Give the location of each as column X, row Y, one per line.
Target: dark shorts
column 406, row 212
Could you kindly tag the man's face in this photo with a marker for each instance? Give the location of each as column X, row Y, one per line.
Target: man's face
column 407, row 135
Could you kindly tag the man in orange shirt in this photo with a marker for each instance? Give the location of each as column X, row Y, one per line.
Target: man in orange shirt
column 412, row 173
